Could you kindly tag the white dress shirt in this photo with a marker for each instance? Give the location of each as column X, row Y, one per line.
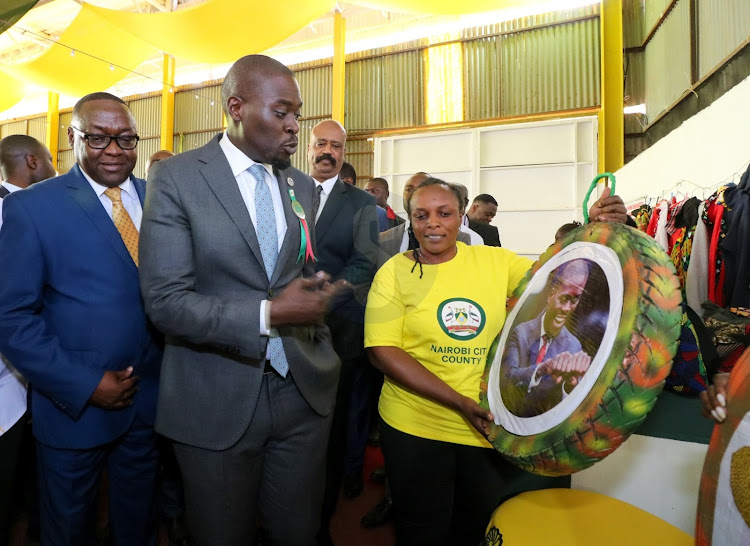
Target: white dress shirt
column 12, row 385
column 240, row 163
column 130, row 199
column 327, row 188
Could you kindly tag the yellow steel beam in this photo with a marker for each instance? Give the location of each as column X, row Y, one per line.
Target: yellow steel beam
column 167, row 105
column 339, row 57
column 53, row 125
column 611, row 128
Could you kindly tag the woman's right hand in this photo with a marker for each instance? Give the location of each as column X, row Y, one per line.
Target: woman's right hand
column 480, row 418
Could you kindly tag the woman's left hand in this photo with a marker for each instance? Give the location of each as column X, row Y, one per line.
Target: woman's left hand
column 480, row 418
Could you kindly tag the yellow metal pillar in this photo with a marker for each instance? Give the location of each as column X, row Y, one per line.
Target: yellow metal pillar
column 167, row 105
column 53, row 125
column 339, row 58
column 611, row 123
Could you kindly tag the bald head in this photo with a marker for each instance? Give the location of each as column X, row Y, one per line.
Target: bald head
column 246, row 76
column 156, row 157
column 262, row 102
column 464, row 194
column 24, row 161
column 326, row 150
column 412, row 184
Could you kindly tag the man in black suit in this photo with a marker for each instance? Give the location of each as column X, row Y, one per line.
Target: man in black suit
column 346, row 233
column 483, row 209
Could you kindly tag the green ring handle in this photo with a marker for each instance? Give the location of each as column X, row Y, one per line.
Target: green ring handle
column 594, row 182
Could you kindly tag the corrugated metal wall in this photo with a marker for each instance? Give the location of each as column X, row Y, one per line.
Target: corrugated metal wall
column 667, row 61
column 197, row 117
column 542, row 70
column 723, row 25
column 147, row 113
column 362, row 100
column 13, row 128
column 37, row 128
column 402, row 90
column 65, row 158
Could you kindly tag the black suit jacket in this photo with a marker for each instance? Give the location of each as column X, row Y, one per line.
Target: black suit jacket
column 489, row 233
column 346, row 237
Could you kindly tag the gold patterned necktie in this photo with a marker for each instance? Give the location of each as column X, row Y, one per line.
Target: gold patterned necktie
column 123, row 222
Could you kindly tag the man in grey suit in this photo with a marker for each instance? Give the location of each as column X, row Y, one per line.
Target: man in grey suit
column 543, row 361
column 249, row 374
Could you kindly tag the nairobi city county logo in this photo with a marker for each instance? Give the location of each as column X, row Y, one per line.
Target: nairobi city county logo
column 461, row 318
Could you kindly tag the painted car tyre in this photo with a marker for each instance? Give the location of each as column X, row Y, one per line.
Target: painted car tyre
column 621, row 350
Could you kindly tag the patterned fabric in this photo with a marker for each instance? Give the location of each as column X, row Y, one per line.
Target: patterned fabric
column 123, row 222
column 713, row 216
column 269, row 249
column 689, row 373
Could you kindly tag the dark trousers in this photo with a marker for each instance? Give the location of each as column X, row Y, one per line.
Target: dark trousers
column 10, row 447
column 69, row 484
column 366, row 384
column 445, row 493
column 171, row 496
column 274, row 473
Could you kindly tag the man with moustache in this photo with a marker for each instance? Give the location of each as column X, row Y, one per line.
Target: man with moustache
column 346, row 233
column 483, row 209
column 72, row 322
column 249, row 374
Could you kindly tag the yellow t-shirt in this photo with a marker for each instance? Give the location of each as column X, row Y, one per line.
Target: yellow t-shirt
column 447, row 321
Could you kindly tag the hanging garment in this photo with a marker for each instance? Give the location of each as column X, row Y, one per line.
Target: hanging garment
column 736, row 245
column 696, row 280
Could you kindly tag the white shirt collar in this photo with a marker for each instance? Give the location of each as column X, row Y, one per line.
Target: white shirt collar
column 238, row 161
column 10, row 187
column 327, row 184
column 127, row 186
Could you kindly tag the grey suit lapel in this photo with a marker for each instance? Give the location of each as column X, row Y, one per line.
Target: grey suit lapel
column 222, row 182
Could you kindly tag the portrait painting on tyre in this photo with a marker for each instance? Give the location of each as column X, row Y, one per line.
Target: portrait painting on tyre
column 553, row 342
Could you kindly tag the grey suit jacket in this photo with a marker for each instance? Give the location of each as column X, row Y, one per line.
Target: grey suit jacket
column 203, row 280
column 390, row 242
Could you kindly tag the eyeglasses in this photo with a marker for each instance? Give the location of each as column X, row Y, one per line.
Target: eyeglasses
column 99, row 142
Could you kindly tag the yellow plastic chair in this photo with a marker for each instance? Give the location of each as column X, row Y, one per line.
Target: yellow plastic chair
column 570, row 517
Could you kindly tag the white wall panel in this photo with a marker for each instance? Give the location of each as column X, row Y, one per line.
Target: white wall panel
column 444, row 152
column 538, row 172
column 527, row 145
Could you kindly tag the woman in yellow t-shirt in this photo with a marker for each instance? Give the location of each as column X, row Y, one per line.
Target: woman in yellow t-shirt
column 432, row 314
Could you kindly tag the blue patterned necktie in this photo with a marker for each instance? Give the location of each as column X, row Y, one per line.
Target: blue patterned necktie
column 269, row 249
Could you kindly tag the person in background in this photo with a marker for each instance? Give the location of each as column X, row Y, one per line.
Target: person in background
column 249, row 375
column 483, row 209
column 23, row 161
column 378, row 187
column 155, row 158
column 347, row 245
column 476, row 239
column 72, row 322
column 348, row 175
column 444, row 477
